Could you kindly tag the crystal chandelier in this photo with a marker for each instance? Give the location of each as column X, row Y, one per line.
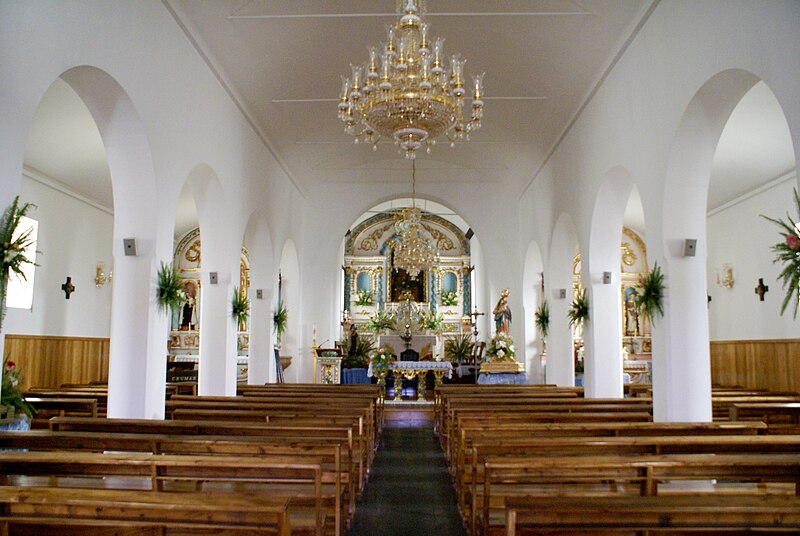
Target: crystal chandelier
column 414, row 252
column 406, row 92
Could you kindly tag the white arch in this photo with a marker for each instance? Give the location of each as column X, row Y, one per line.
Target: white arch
column 681, row 362
column 136, row 329
column 563, row 246
column 603, row 335
column 532, row 297
column 220, row 254
column 290, row 294
column 258, row 240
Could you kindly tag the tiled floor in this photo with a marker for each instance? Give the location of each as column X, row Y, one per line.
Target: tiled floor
column 409, row 490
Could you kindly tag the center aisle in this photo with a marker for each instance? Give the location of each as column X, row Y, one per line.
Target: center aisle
column 409, row 489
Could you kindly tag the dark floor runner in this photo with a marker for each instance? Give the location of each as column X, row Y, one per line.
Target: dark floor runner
column 409, row 489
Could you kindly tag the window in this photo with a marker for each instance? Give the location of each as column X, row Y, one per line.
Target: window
column 20, row 290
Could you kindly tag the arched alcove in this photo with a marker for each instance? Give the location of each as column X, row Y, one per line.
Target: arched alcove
column 681, row 366
column 532, row 298
column 136, row 356
column 558, row 284
column 289, row 295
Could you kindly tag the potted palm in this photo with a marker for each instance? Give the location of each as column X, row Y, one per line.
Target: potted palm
column 280, row 319
column 170, row 292
column 578, row 313
column 240, row 308
column 650, row 301
column 458, row 348
column 542, row 321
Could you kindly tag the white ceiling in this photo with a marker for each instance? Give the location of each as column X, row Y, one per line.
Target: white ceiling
column 283, row 60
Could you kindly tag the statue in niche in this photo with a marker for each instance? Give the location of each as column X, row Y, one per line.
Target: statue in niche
column 189, row 309
column 502, row 314
column 631, row 314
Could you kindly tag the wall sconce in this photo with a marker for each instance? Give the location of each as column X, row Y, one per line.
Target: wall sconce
column 100, row 277
column 725, row 276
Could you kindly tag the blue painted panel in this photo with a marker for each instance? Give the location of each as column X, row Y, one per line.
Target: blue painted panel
column 449, row 282
column 362, row 282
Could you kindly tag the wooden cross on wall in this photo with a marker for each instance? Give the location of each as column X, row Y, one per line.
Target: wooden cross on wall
column 761, row 289
column 68, row 287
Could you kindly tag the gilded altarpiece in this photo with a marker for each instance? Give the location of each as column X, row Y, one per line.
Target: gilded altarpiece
column 371, row 284
column 633, row 267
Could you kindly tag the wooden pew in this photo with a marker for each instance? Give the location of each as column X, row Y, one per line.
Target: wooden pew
column 274, row 475
column 721, row 514
column 767, row 412
column 44, row 509
column 336, row 470
column 47, row 407
column 637, row 475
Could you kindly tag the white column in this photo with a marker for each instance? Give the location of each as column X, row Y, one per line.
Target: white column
column 602, row 339
column 560, row 362
column 261, row 350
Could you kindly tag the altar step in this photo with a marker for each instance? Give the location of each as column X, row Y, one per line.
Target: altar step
column 398, row 411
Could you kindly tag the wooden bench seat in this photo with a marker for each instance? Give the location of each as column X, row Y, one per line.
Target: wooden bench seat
column 44, row 509
column 637, row 475
column 788, row 412
column 257, row 475
column 47, row 407
column 721, row 514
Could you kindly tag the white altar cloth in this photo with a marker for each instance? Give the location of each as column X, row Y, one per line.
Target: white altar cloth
column 418, row 366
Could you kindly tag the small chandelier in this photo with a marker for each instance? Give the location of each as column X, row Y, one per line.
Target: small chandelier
column 414, row 252
column 406, row 92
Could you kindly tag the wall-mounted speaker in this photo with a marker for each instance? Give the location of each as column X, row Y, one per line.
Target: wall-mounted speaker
column 606, row 278
column 689, row 247
column 559, row 293
column 129, row 246
column 259, row 294
column 213, row 277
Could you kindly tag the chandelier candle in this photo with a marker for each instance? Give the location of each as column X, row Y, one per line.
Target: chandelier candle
column 407, row 92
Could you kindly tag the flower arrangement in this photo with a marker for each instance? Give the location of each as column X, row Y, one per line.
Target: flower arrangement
column 578, row 313
column 650, row 301
column 170, row 292
column 380, row 360
column 360, row 356
column 240, row 307
column 381, row 321
column 787, row 252
column 12, row 248
column 11, row 396
column 500, row 349
column 449, row 299
column 363, row 298
column 432, row 321
column 542, row 319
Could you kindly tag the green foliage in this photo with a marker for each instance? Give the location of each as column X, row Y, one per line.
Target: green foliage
column 240, row 307
column 281, row 319
column 651, row 299
column 578, row 313
column 170, row 293
column 12, row 250
column 11, row 395
column 787, row 252
column 381, row 321
column 458, row 347
column 361, row 355
column 380, row 360
column 542, row 319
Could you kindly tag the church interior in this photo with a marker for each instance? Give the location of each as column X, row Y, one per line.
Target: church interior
column 524, row 239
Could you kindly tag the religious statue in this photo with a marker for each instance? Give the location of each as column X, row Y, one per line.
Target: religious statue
column 188, row 317
column 353, row 340
column 631, row 314
column 502, row 314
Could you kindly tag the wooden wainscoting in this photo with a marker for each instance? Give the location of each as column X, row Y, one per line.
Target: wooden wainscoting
column 51, row 361
column 759, row 364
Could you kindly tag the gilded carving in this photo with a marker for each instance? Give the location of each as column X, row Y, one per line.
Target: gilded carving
column 442, row 240
column 370, row 243
column 628, row 256
column 193, row 252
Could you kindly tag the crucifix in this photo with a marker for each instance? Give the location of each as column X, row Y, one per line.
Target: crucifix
column 475, row 316
column 68, row 287
column 761, row 289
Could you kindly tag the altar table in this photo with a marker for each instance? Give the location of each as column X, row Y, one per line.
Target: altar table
column 419, row 369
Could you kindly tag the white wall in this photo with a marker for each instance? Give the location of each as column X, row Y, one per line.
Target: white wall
column 73, row 236
column 740, row 236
